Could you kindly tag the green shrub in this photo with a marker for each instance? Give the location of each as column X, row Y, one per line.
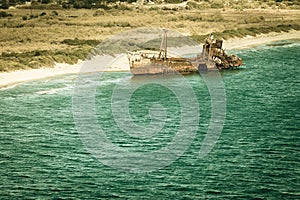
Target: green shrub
column 54, row 12
column 43, row 14
column 217, row 4
column 40, row 6
column 78, row 42
column 169, row 8
column 19, row 25
column 33, row 16
column 45, row 1
column 79, row 4
column 5, row 14
column 65, row 5
column 4, row 4
column 173, row 1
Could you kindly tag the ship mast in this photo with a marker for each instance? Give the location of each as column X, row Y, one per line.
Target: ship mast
column 163, row 46
column 166, row 43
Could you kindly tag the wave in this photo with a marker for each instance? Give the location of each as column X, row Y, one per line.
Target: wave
column 284, row 43
column 54, row 90
column 9, row 86
column 88, row 82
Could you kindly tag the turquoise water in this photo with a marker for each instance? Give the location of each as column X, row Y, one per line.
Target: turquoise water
column 256, row 157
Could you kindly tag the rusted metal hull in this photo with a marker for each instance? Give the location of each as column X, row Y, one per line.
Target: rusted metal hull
column 172, row 65
column 155, row 66
column 212, row 58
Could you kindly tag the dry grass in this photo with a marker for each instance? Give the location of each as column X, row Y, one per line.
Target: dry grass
column 46, row 34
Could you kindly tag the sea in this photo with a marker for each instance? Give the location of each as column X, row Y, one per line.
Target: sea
column 112, row 135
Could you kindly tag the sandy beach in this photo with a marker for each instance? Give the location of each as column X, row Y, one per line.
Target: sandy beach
column 10, row 78
column 250, row 41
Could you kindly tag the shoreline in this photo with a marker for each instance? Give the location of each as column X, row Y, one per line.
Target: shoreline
column 252, row 41
column 10, row 78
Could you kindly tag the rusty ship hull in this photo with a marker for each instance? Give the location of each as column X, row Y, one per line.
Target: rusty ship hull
column 171, row 65
column 212, row 58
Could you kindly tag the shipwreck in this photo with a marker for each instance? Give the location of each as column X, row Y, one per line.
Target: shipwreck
column 212, row 57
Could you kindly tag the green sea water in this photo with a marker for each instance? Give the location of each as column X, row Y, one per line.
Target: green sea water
column 42, row 156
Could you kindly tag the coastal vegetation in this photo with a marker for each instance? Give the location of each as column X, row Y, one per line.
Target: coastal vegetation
column 39, row 33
